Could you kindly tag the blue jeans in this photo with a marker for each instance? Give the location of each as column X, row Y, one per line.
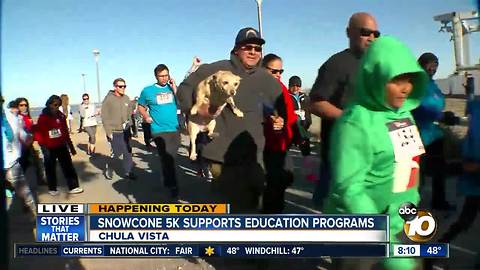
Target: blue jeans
column 14, row 175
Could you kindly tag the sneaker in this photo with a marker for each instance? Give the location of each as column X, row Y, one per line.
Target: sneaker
column 131, row 176
column 108, row 172
column 53, row 192
column 209, row 175
column 76, row 190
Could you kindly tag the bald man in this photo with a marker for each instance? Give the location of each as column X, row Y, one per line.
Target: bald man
column 334, row 87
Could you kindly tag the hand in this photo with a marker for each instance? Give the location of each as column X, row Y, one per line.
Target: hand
column 196, row 61
column 172, row 84
column 450, row 119
column 206, row 111
column 278, row 122
column 149, row 120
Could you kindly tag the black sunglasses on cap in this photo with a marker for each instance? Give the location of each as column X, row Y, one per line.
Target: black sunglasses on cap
column 364, row 32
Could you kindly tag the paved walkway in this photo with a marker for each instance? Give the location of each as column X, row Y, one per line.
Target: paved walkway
column 149, row 189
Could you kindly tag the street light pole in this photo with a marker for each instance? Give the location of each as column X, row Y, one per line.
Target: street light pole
column 96, row 54
column 259, row 12
column 84, row 85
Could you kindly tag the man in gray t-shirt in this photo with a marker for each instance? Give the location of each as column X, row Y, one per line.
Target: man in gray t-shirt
column 334, row 86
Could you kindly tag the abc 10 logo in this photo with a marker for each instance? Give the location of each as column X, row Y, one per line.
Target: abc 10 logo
column 419, row 225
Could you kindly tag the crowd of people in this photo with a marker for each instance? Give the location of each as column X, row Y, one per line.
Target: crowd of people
column 380, row 113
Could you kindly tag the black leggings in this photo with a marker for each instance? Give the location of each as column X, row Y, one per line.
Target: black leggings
column 147, row 133
column 167, row 146
column 433, row 164
column 278, row 179
column 51, row 155
column 471, row 206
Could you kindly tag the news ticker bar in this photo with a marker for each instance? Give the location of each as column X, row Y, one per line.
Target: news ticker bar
column 203, row 250
column 232, row 250
column 422, row 250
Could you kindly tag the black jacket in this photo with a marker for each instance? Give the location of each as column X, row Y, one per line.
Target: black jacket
column 303, row 103
column 255, row 97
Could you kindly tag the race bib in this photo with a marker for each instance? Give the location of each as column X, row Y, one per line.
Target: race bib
column 407, row 148
column 54, row 133
column 405, row 139
column 301, row 114
column 164, row 98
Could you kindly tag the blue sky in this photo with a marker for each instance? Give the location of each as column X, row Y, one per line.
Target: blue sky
column 47, row 44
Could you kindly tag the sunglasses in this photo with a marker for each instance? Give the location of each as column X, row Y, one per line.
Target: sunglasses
column 56, row 104
column 85, row 99
column 22, row 105
column 248, row 48
column 121, row 86
column 275, row 71
column 364, row 32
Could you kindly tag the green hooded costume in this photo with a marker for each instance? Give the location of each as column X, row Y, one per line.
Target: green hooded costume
column 375, row 148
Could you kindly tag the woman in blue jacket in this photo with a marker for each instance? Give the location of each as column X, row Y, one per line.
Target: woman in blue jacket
column 427, row 116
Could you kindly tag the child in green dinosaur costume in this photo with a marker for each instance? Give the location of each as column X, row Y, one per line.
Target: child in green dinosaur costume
column 375, row 145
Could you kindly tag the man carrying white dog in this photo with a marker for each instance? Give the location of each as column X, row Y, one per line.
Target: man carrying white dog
column 235, row 153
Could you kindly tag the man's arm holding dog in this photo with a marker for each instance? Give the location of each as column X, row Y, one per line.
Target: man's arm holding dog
column 186, row 90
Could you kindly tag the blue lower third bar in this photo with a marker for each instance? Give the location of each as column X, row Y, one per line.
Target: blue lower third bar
column 203, row 250
column 435, row 250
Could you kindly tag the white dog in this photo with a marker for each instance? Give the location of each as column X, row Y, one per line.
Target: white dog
column 216, row 91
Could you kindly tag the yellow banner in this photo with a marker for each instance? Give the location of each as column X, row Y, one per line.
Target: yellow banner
column 135, row 208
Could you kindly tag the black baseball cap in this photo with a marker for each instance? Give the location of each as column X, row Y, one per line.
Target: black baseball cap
column 248, row 35
column 294, row 81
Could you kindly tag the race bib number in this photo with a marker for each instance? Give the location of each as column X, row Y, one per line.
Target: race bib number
column 54, row 133
column 164, row 98
column 405, row 139
column 407, row 148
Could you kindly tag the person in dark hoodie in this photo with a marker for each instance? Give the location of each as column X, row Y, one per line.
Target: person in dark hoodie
column 301, row 103
column 53, row 136
column 427, row 115
column 116, row 112
column 375, row 145
column 240, row 143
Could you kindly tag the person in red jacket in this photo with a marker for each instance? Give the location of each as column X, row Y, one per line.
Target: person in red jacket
column 29, row 154
column 277, row 143
column 53, row 136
